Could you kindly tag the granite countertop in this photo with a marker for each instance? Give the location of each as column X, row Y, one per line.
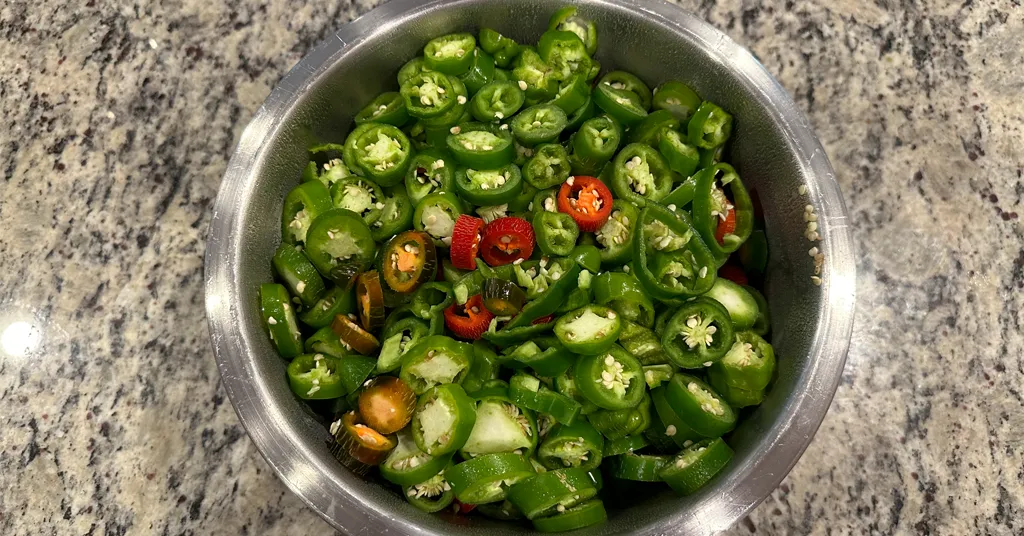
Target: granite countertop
column 118, row 120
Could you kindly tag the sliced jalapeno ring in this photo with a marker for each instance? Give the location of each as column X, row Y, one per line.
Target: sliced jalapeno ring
column 696, row 465
column 538, row 124
column 353, row 336
column 612, row 380
column 358, row 446
column 370, row 300
column 481, row 146
column 409, row 260
column 279, row 316
column 302, row 205
column 486, row 479
column 388, row 107
column 590, row 330
column 428, row 94
column 698, row 334
column 360, row 196
column 582, row 515
column 298, row 274
column 435, row 360
column 527, row 391
column 497, row 101
column 407, row 465
column 678, row 98
column 575, row 444
column 699, row 406
column 444, row 418
column 551, row 492
column 451, row 54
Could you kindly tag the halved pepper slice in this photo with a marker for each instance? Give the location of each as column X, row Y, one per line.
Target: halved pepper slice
column 668, row 259
column 436, row 215
column 370, row 300
column 451, row 54
column 298, row 274
column 470, row 320
column 399, row 337
column 466, row 236
column 435, row 360
column 612, row 380
column 615, row 238
column 719, row 193
column 696, row 465
column 678, row 98
column 444, row 418
column 302, row 205
column 698, row 334
column 580, row 516
column 709, row 127
column 354, row 336
column 699, row 406
column 407, row 465
column 535, row 76
column 432, row 495
column 538, row 124
column 487, row 478
column 496, row 101
column 388, row 108
column 489, row 187
column 315, row 377
column 548, row 167
column 334, row 302
column 590, row 330
column 528, row 392
column 358, row 446
column 481, row 145
column 279, row 317
column 501, row 426
column 640, row 175
column 408, row 260
column 575, row 444
column 749, row 364
column 587, row 200
column 551, row 492
column 507, row 240
column 637, row 467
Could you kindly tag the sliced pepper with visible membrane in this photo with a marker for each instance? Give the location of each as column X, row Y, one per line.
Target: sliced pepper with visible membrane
column 334, row 302
column 496, row 101
column 337, row 238
column 358, row 446
column 301, row 206
column 388, row 108
column 435, row 360
column 535, row 76
column 481, row 71
column 719, row 194
column 436, row 215
column 432, row 495
column 580, row 516
column 650, row 131
column 506, row 240
column 587, row 200
column 640, row 175
column 696, row 465
column 548, row 167
column 541, row 123
column 370, row 300
column 699, row 406
column 589, row 330
column 399, row 337
column 612, row 380
column 452, row 54
column 564, row 52
column 575, row 444
column 669, row 260
column 443, row 420
column 469, row 320
column 623, row 105
column 567, row 19
column 616, row 424
column 698, row 334
column 489, row 187
column 615, row 238
column 481, row 145
column 315, row 377
column 504, row 49
column 622, row 292
column 428, row 94
column 298, row 274
column 709, row 127
column 741, row 304
column 749, row 363
column 556, row 232
column 528, row 392
column 429, row 172
column 501, row 426
column 681, row 157
column 409, row 259
column 354, row 336
column 407, row 465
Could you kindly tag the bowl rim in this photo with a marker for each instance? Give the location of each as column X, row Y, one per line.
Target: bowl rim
column 786, row 440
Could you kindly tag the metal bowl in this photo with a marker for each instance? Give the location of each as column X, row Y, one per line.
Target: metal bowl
column 773, row 149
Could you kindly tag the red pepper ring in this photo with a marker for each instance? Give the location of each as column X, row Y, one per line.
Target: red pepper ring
column 587, row 200
column 470, row 320
column 466, row 241
column 507, row 240
column 726, row 226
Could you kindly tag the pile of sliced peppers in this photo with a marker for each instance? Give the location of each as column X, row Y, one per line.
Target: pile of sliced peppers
column 514, row 280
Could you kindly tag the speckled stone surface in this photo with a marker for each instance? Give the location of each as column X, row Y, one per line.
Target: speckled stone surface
column 116, row 123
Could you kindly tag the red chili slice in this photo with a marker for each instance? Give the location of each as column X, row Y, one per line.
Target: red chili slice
column 507, row 240
column 587, row 200
column 733, row 273
column 466, row 241
column 726, row 226
column 468, row 321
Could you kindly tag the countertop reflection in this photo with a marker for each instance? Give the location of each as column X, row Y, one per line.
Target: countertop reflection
column 118, row 124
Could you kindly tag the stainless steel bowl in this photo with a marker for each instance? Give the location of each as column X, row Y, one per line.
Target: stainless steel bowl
column 774, row 150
